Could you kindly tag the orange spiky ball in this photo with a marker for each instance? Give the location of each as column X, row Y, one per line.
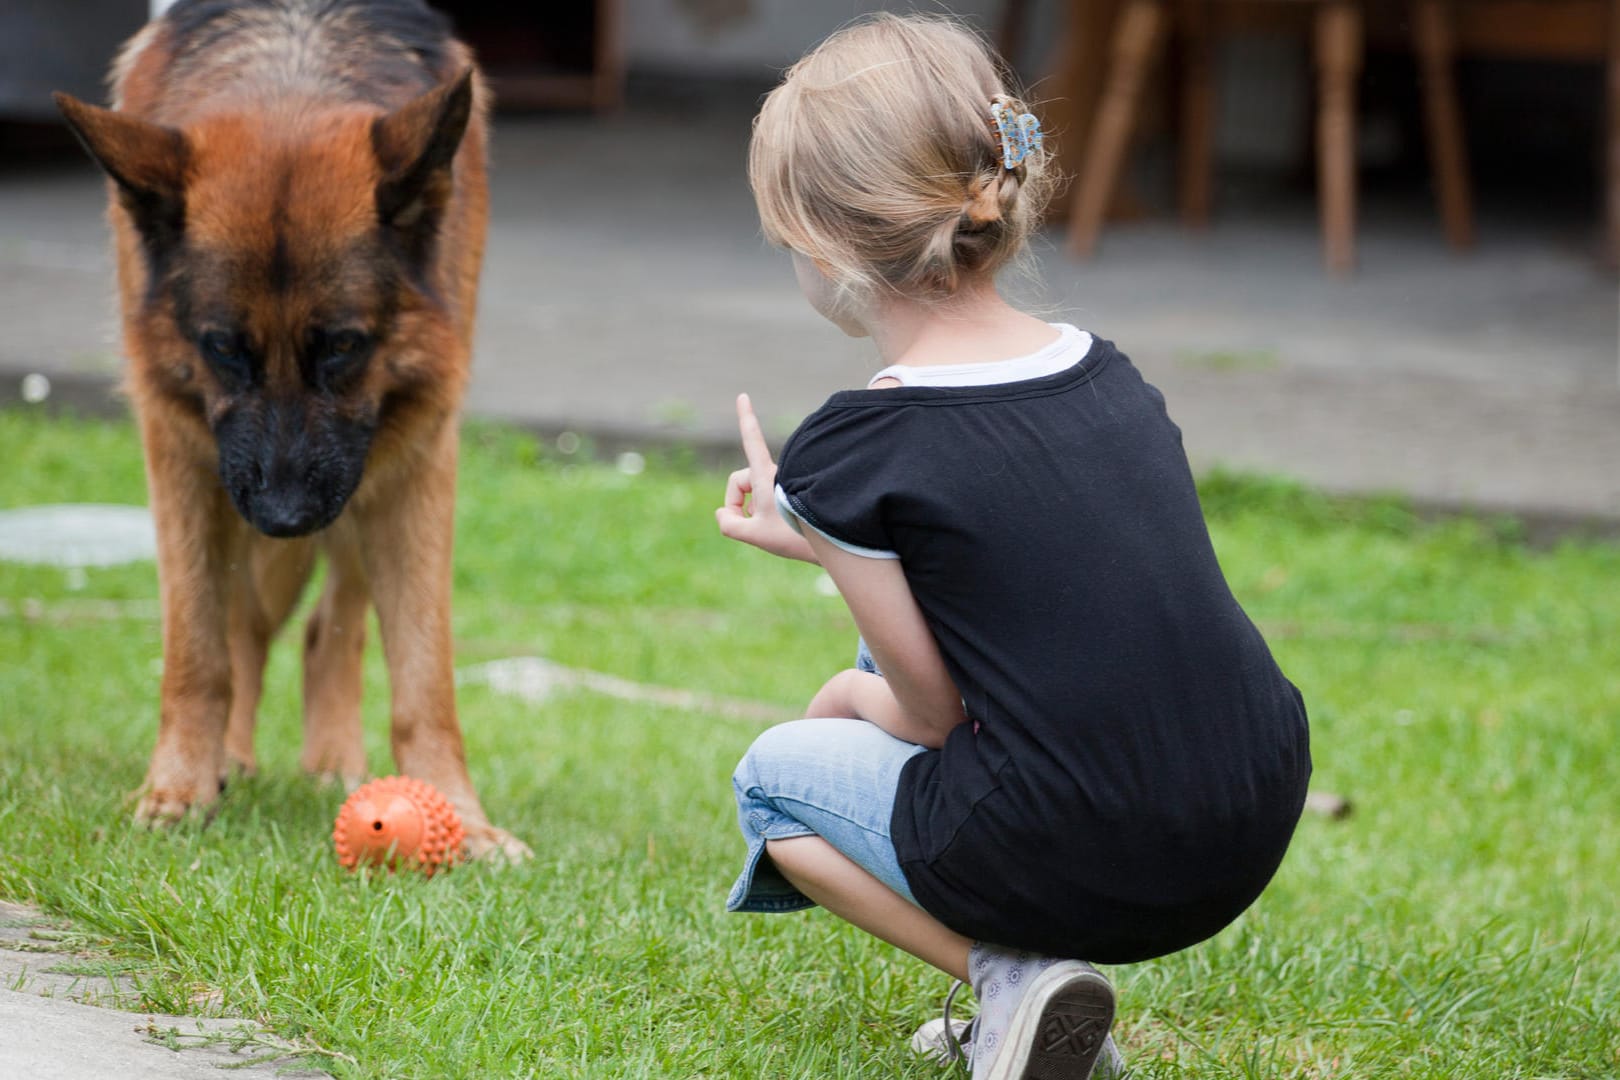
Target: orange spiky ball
column 398, row 822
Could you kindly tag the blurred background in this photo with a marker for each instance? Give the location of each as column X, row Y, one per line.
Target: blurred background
column 1366, row 243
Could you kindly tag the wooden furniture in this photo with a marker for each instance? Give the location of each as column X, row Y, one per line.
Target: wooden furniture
column 1067, row 102
column 560, row 56
column 1554, row 30
column 1110, row 46
column 1435, row 43
column 1336, row 27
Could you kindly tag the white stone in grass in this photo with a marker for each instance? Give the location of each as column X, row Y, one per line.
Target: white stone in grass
column 527, row 678
column 77, row 535
column 631, row 463
column 533, row 679
column 35, row 388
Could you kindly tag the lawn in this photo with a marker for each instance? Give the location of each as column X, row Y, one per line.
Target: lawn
column 1464, row 692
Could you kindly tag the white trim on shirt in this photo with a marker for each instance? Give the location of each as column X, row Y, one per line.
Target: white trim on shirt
column 1069, row 349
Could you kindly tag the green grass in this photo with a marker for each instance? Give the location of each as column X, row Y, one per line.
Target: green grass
column 1461, row 923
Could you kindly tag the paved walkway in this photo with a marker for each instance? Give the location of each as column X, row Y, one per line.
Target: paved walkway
column 59, row 1020
column 627, row 295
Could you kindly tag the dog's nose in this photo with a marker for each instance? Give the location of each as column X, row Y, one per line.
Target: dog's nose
column 287, row 516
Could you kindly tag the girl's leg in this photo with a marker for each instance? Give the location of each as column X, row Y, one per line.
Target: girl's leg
column 841, row 885
column 836, row 882
column 814, row 799
column 832, row 779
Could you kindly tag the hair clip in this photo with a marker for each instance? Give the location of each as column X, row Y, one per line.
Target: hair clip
column 1020, row 135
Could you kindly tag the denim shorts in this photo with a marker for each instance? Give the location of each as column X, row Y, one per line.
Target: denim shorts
column 829, row 777
column 834, row 778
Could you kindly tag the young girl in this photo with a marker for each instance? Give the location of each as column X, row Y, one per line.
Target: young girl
column 1073, row 744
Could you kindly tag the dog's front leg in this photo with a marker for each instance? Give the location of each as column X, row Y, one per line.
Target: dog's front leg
column 405, row 542
column 197, row 532
column 334, row 648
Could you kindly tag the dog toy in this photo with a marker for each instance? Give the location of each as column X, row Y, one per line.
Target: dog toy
column 398, row 821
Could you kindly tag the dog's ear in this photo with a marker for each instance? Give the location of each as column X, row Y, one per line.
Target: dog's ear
column 415, row 145
column 147, row 160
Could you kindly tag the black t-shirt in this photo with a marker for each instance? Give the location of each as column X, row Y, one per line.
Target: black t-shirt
column 1139, row 762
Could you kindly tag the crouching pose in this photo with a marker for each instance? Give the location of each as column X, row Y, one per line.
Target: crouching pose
column 1063, row 740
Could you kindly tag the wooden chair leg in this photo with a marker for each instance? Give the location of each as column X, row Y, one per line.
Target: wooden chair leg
column 1136, row 36
column 1612, row 156
column 1195, row 161
column 1010, row 30
column 1078, row 63
column 608, row 90
column 1436, row 50
column 1338, row 58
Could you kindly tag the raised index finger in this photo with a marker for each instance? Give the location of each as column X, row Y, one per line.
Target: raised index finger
column 753, row 439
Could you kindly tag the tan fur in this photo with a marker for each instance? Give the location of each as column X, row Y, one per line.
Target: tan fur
column 227, row 588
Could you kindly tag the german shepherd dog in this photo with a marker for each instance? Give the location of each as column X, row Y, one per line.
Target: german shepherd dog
column 298, row 207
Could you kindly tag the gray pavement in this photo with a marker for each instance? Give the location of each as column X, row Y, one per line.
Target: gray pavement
column 63, row 1019
column 627, row 294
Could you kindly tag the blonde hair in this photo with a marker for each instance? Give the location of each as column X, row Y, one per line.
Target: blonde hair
column 877, row 158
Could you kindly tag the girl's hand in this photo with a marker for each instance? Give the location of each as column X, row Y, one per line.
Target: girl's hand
column 750, row 513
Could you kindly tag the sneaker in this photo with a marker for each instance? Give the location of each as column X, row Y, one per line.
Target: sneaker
column 948, row 1040
column 1039, row 1018
column 931, row 1040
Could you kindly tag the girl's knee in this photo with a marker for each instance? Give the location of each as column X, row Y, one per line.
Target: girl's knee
column 766, row 756
column 782, row 759
column 798, row 746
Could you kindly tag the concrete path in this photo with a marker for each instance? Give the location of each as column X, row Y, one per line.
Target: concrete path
column 50, row 1039
column 627, row 295
column 61, row 1019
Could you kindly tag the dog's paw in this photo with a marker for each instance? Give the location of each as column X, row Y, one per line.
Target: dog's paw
column 166, row 805
column 332, row 778
column 489, row 844
column 332, row 761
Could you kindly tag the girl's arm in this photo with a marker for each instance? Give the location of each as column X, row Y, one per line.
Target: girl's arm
column 914, row 699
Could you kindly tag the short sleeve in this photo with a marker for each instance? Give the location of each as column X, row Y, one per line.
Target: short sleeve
column 800, row 522
column 825, row 481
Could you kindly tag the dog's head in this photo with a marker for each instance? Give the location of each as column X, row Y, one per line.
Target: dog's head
column 289, row 286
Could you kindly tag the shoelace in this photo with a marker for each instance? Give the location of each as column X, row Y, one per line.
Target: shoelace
column 954, row 1051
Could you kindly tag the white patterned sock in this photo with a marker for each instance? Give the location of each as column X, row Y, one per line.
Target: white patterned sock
column 999, row 978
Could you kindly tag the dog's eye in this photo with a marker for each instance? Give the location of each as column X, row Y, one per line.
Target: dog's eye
column 345, row 342
column 343, row 347
column 223, row 348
